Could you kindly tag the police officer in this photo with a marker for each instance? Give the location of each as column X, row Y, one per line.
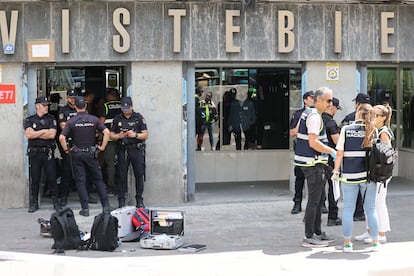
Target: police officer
column 299, row 177
column 64, row 114
column 40, row 130
column 82, row 128
column 130, row 130
column 111, row 108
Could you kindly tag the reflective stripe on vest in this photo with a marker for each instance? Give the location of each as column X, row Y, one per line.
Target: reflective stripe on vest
column 304, row 154
column 354, row 161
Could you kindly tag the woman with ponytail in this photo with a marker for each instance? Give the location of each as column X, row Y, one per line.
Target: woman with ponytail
column 351, row 148
column 382, row 123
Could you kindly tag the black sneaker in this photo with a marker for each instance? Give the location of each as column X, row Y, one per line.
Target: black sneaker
column 84, row 212
column 359, row 218
column 314, row 242
column 296, row 209
column 140, row 203
column 334, row 222
column 324, row 237
column 324, row 210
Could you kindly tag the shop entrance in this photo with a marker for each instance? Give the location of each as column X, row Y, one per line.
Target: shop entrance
column 91, row 82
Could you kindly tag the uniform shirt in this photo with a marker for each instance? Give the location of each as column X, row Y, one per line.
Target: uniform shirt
column 136, row 123
column 349, row 119
column 65, row 113
column 38, row 123
column 109, row 111
column 331, row 128
column 295, row 118
column 82, row 128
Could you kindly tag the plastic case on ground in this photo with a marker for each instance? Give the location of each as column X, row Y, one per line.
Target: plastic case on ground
column 167, row 230
column 124, row 216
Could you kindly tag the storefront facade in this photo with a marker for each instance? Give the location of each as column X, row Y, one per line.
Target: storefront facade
column 159, row 47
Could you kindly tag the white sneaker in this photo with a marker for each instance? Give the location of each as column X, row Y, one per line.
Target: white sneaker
column 348, row 248
column 376, row 247
column 363, row 236
column 381, row 239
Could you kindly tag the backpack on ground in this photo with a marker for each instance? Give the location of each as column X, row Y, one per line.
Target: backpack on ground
column 65, row 231
column 104, row 233
column 380, row 160
column 141, row 221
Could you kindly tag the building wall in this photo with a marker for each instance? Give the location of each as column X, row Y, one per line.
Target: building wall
column 156, row 90
column 13, row 185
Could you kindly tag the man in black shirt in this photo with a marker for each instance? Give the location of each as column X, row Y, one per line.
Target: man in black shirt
column 300, row 177
column 332, row 132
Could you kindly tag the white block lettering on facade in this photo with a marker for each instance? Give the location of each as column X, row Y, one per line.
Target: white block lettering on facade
column 121, row 42
column 230, row 30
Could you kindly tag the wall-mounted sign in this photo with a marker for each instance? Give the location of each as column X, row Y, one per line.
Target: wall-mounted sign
column 7, row 94
column 42, row 50
column 332, row 71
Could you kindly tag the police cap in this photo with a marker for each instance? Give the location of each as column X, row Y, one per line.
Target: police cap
column 362, row 98
column 126, row 103
column 42, row 100
column 80, row 102
column 308, row 94
column 71, row 93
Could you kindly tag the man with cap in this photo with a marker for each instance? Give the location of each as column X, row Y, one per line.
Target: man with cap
column 200, row 116
column 299, row 177
column 332, row 132
column 64, row 114
column 40, row 130
column 82, row 128
column 361, row 98
column 129, row 129
column 111, row 108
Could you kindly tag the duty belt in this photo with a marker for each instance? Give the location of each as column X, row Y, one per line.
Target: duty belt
column 84, row 149
column 35, row 149
column 140, row 146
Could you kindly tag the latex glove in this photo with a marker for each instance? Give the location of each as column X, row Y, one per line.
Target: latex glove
column 335, row 176
column 333, row 155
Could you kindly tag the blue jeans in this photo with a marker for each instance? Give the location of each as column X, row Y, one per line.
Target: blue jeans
column 350, row 193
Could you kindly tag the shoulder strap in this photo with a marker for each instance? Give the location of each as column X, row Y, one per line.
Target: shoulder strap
column 105, row 223
column 63, row 222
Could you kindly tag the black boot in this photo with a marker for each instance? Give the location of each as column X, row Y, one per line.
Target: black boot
column 121, row 202
column 297, row 208
column 33, row 205
column 56, row 203
column 140, row 203
column 63, row 201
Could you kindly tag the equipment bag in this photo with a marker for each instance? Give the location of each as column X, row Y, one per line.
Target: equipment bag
column 380, row 161
column 65, row 231
column 104, row 233
column 141, row 221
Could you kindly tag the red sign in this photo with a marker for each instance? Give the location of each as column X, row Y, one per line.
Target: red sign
column 7, row 93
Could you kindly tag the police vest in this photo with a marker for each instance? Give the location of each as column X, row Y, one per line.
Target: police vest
column 112, row 108
column 304, row 154
column 354, row 166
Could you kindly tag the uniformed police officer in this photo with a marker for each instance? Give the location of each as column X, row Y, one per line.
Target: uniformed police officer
column 40, row 130
column 82, row 128
column 130, row 130
column 111, row 108
column 64, row 114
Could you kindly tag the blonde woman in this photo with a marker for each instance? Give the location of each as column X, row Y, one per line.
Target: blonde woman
column 382, row 123
column 353, row 142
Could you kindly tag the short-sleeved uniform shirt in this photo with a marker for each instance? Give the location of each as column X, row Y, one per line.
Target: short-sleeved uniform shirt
column 331, row 128
column 82, row 128
column 136, row 123
column 65, row 113
column 38, row 123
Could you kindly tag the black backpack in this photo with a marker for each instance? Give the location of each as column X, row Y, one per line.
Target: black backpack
column 380, row 161
column 65, row 231
column 104, row 233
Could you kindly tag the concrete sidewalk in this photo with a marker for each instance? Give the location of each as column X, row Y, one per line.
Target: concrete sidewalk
column 246, row 233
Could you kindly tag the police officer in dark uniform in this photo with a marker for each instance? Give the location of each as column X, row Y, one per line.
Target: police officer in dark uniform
column 40, row 130
column 130, row 130
column 299, row 176
column 64, row 114
column 110, row 109
column 82, row 128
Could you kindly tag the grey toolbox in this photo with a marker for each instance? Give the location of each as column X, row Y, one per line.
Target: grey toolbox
column 124, row 216
column 167, row 230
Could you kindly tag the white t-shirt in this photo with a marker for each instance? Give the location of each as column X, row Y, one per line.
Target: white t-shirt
column 314, row 123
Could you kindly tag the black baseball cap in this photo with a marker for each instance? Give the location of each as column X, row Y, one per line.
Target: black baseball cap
column 126, row 103
column 335, row 102
column 42, row 100
column 362, row 98
column 80, row 102
column 308, row 94
column 71, row 93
